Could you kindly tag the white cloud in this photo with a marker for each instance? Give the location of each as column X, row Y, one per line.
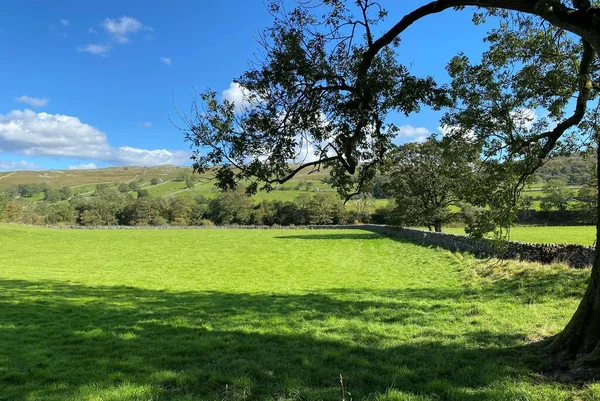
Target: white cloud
column 18, row 165
column 305, row 151
column 166, row 61
column 41, row 134
column 408, row 133
column 144, row 157
column 83, row 166
column 121, row 28
column 466, row 134
column 145, row 124
column 95, row 49
column 65, row 22
column 33, row 101
column 238, row 95
column 92, row 31
column 524, row 118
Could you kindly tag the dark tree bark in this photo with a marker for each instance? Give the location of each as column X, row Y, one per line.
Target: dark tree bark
column 580, row 339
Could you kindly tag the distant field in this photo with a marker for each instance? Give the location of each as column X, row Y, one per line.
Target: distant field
column 583, row 235
column 271, row 315
column 84, row 182
column 73, row 178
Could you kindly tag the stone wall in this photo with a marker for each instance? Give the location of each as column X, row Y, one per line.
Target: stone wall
column 577, row 256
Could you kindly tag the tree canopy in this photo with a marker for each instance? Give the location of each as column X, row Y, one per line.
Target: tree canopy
column 427, row 178
column 323, row 91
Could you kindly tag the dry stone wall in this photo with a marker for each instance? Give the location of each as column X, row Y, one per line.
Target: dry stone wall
column 577, row 256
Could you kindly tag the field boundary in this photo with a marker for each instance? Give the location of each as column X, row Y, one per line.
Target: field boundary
column 577, row 256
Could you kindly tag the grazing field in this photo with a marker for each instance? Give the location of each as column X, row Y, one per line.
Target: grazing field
column 272, row 315
column 582, row 235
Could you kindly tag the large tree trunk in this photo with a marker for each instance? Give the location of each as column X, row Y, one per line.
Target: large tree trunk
column 437, row 226
column 580, row 339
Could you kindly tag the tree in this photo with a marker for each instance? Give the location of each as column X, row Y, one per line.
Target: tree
column 587, row 201
column 148, row 212
column 3, row 201
column 190, row 183
column 230, row 207
column 25, row 190
column 13, row 211
column 556, row 195
column 427, row 178
column 155, row 181
column 52, row 195
column 65, row 193
column 325, row 209
column 134, row 186
column 105, row 207
column 181, row 177
column 198, row 214
column 123, row 187
column 59, row 213
column 180, row 211
column 328, row 81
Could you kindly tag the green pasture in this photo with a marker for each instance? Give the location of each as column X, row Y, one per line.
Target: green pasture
column 582, row 235
column 226, row 314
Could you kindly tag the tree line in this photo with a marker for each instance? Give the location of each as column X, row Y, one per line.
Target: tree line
column 110, row 206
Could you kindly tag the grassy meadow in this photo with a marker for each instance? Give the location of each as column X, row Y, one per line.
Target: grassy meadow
column 581, row 235
column 272, row 315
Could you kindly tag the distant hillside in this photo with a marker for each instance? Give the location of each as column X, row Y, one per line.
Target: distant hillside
column 74, row 178
column 574, row 170
column 161, row 181
column 169, row 181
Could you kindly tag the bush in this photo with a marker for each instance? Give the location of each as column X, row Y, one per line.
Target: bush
column 65, row 193
column 134, row 186
column 60, row 213
column 52, row 195
column 13, row 211
column 190, row 183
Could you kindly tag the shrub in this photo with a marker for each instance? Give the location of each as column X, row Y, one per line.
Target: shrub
column 59, row 213
column 13, row 211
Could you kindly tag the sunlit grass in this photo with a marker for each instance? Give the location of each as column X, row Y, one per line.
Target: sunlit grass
column 582, row 235
column 271, row 315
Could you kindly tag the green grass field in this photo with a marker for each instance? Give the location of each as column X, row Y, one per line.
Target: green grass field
column 582, row 235
column 271, row 315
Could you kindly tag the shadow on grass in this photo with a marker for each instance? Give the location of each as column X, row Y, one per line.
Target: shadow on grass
column 60, row 341
column 352, row 236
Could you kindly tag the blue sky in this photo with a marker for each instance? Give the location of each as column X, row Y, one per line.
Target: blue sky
column 89, row 84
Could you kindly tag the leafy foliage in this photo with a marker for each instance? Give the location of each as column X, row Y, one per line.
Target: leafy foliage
column 427, row 178
column 305, row 104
